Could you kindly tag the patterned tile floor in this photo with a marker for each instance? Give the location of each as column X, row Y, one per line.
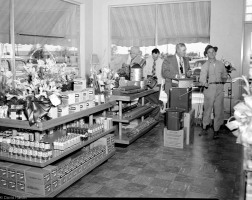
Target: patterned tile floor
column 206, row 169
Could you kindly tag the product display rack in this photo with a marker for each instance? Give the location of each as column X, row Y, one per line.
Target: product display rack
column 62, row 187
column 51, row 124
column 41, row 126
column 121, row 137
column 57, row 154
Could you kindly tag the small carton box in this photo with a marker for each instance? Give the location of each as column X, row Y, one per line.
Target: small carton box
column 3, row 183
column 189, row 126
column 20, row 186
column 63, row 110
column 85, row 95
column 35, row 188
column 53, row 170
column 91, row 94
column 83, row 106
column 3, row 169
column 38, row 176
column 175, row 139
column 78, row 97
column 68, row 98
column 79, row 84
column 74, row 108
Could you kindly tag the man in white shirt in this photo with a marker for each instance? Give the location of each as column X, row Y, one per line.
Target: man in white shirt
column 154, row 66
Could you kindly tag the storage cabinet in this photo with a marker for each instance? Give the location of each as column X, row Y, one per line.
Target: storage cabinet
column 20, row 185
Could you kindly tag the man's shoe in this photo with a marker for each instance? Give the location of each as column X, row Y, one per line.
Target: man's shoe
column 204, row 131
column 216, row 135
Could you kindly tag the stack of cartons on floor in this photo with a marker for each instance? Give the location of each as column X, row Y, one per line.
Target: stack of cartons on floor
column 179, row 119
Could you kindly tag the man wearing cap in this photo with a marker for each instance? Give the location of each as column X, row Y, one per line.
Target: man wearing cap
column 213, row 75
column 175, row 66
column 135, row 57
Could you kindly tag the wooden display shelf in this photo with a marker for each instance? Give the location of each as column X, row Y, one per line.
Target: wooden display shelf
column 126, row 140
column 130, row 97
column 59, row 189
column 117, row 118
column 59, row 154
column 54, row 122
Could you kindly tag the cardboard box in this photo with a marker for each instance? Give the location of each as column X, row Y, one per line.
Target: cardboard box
column 68, row 98
column 20, row 186
column 74, row 108
column 38, row 176
column 53, row 171
column 175, row 139
column 63, row 110
column 189, row 126
column 91, row 94
column 53, row 112
column 3, row 169
column 35, row 188
column 79, row 84
column 78, row 97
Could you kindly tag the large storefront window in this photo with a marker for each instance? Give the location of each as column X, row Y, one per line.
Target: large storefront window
column 43, row 29
column 159, row 26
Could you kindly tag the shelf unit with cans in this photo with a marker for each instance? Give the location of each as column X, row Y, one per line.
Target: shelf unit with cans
column 121, row 137
column 58, row 156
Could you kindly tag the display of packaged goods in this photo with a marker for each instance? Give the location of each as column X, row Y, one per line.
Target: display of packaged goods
column 85, row 95
column 53, row 171
column 16, row 172
column 63, row 110
column 78, row 97
column 35, row 188
column 21, row 186
column 3, row 182
column 91, row 94
column 141, row 126
column 79, row 84
column 67, row 98
column 11, row 184
column 4, row 169
column 38, row 176
column 74, row 108
column 83, row 105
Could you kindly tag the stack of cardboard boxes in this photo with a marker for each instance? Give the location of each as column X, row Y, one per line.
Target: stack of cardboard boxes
column 179, row 119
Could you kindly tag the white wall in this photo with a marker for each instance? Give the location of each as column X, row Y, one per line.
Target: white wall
column 227, row 34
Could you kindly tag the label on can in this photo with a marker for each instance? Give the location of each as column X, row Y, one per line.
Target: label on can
column 27, row 143
column 24, row 152
column 32, row 144
column 34, row 153
column 36, row 144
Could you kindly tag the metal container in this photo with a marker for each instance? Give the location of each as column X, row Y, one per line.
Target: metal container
column 136, row 73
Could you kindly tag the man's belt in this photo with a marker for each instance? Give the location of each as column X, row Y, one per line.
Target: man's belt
column 217, row 83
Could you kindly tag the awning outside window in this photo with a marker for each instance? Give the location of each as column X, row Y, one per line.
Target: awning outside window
column 187, row 22
column 133, row 25
column 41, row 22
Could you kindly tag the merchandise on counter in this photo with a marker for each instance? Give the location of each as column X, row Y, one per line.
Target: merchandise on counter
column 141, row 126
column 63, row 110
column 3, row 111
column 74, row 108
column 68, row 98
column 79, row 84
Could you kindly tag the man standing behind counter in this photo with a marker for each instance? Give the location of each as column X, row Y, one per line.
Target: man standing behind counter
column 175, row 66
